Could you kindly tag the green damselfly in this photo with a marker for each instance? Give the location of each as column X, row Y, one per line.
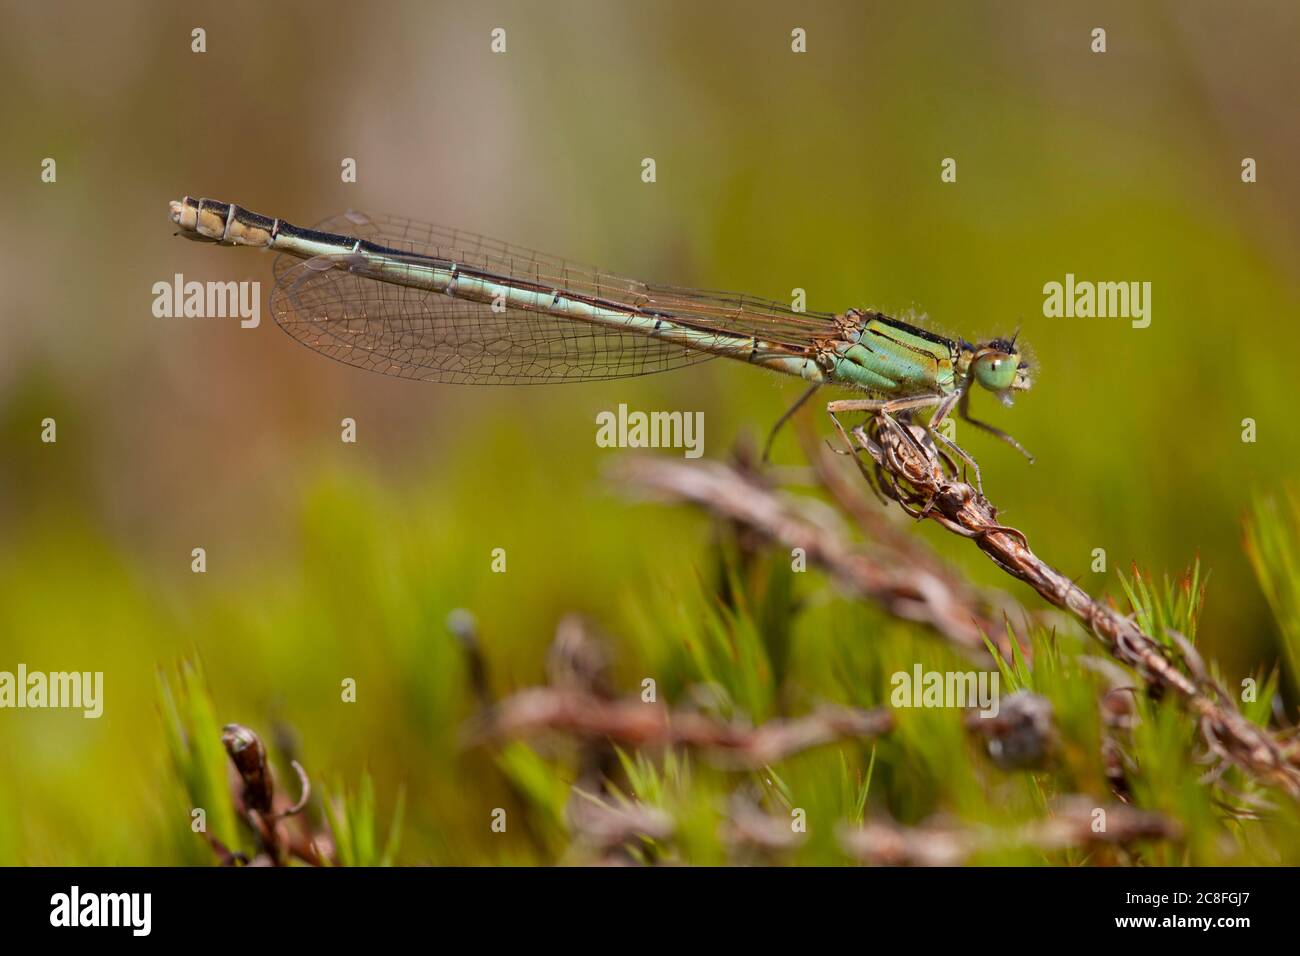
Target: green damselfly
column 420, row 301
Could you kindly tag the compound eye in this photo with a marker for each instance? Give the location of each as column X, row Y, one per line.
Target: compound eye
column 995, row 371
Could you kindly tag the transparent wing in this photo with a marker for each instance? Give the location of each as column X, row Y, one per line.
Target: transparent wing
column 423, row 335
column 720, row 311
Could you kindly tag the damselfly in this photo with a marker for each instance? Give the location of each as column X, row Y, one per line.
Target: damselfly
column 420, row 301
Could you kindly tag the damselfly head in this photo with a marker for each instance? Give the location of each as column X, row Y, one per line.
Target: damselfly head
column 996, row 365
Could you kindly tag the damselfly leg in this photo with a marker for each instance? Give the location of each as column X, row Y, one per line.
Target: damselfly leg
column 788, row 414
column 888, row 408
column 963, row 411
column 936, row 422
column 884, row 409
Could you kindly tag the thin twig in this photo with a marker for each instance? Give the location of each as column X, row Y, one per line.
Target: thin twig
column 304, row 791
column 905, row 588
column 910, row 472
column 464, row 628
column 750, row 828
column 602, row 825
column 636, row 723
column 1076, row 824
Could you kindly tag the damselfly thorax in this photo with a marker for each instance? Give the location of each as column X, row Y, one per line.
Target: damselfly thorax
column 420, row 301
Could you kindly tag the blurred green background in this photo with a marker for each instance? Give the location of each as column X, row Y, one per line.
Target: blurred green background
column 775, row 171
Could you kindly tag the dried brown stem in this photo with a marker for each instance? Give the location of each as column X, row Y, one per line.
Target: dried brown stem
column 1074, row 825
column 636, row 723
column 905, row 586
column 603, row 825
column 909, row 471
column 262, row 809
column 750, row 828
